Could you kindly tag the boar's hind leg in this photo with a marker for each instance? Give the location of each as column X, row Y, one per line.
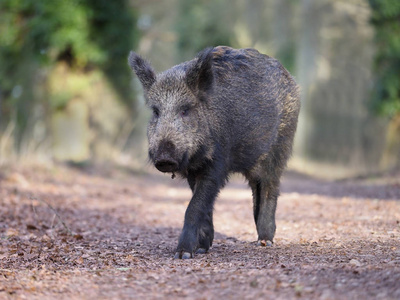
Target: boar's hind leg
column 265, row 195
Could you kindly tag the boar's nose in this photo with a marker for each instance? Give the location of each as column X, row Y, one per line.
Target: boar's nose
column 164, row 160
column 166, row 165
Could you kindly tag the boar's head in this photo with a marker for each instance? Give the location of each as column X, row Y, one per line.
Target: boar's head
column 179, row 99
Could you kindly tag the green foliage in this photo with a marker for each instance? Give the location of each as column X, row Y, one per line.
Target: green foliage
column 386, row 19
column 35, row 35
column 113, row 29
column 49, row 29
column 84, row 32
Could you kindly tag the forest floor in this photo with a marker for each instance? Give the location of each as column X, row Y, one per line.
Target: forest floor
column 111, row 234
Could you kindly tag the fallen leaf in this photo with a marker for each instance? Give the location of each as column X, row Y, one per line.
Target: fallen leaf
column 79, row 260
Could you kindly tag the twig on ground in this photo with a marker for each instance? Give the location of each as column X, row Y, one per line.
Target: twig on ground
column 55, row 212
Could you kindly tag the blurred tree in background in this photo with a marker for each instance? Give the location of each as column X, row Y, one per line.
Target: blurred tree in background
column 337, row 131
column 38, row 35
column 265, row 25
column 203, row 24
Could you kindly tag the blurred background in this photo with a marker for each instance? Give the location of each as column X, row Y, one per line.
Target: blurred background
column 68, row 95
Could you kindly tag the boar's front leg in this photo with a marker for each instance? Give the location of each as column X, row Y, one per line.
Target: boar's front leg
column 198, row 229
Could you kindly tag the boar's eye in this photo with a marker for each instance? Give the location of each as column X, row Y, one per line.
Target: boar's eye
column 156, row 112
column 185, row 110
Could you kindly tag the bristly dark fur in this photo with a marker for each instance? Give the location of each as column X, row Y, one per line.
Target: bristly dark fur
column 225, row 111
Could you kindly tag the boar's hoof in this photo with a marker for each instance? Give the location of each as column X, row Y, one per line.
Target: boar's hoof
column 201, row 251
column 264, row 243
column 183, row 255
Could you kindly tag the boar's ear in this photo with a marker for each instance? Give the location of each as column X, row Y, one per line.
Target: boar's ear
column 200, row 77
column 143, row 70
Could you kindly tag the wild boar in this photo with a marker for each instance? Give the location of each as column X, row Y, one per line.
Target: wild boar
column 226, row 111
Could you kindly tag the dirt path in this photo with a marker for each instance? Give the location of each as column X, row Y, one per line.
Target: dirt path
column 334, row 240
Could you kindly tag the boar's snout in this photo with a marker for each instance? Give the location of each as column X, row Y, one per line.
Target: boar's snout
column 166, row 165
column 164, row 159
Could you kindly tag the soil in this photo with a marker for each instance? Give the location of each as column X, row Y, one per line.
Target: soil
column 111, row 234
